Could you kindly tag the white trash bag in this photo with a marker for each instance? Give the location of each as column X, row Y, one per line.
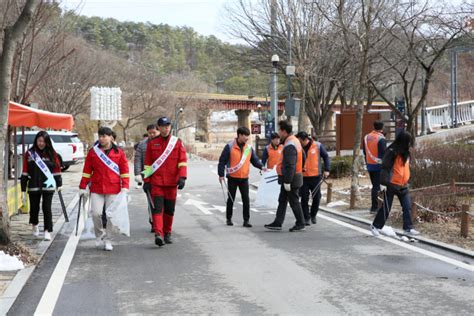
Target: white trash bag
column 268, row 190
column 88, row 232
column 117, row 214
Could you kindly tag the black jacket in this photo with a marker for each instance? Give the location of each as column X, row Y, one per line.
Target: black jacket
column 288, row 168
column 32, row 176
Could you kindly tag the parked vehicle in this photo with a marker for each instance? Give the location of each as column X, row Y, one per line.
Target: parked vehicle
column 68, row 146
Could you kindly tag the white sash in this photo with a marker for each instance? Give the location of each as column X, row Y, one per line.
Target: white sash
column 106, row 160
column 367, row 150
column 161, row 160
column 50, row 182
column 242, row 160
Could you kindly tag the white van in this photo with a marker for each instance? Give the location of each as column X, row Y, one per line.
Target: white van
column 68, row 146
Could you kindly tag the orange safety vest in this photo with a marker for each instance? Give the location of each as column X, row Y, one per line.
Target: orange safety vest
column 371, row 142
column 292, row 141
column 273, row 155
column 235, row 157
column 400, row 172
column 311, row 165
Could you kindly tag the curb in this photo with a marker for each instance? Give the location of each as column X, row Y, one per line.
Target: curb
column 424, row 240
column 22, row 276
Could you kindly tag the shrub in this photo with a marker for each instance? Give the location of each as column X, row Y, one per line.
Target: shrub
column 438, row 163
column 341, row 166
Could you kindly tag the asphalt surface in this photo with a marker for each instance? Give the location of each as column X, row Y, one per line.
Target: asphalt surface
column 215, row 269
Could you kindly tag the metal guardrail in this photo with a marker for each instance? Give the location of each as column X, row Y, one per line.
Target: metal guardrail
column 440, row 116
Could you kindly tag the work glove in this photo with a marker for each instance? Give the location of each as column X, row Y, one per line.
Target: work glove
column 383, row 187
column 326, row 174
column 23, row 198
column 83, row 192
column 287, row 187
column 181, row 183
column 125, row 190
column 138, row 179
column 147, row 187
column 59, row 189
column 221, row 179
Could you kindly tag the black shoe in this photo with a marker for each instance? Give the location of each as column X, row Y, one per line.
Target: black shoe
column 313, row 219
column 273, row 226
column 229, row 222
column 168, row 239
column 307, row 222
column 159, row 241
column 247, row 224
column 297, row 228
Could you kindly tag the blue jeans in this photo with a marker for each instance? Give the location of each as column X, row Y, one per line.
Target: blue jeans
column 375, row 179
column 384, row 211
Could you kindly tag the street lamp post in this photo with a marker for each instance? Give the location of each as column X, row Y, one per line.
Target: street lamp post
column 177, row 112
column 274, row 92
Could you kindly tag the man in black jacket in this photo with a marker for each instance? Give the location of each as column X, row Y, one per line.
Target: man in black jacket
column 290, row 176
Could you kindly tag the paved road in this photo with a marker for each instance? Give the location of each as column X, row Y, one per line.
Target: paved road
column 215, row 269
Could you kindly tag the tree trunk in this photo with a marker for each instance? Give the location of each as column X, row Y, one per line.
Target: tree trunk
column 12, row 35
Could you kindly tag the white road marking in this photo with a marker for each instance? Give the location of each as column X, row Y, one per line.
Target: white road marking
column 221, row 209
column 402, row 244
column 199, row 205
column 55, row 284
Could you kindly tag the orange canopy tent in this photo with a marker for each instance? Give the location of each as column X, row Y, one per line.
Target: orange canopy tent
column 21, row 115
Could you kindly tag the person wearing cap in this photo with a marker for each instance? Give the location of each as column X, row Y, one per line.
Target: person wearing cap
column 139, row 161
column 272, row 152
column 165, row 172
column 374, row 149
column 312, row 175
column 106, row 169
column 234, row 163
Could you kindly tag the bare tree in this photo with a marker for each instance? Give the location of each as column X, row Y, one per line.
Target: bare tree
column 418, row 43
column 12, row 33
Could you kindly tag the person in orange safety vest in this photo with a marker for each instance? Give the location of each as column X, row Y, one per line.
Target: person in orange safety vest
column 165, row 172
column 234, row 163
column 374, row 149
column 312, row 175
column 272, row 152
column 395, row 175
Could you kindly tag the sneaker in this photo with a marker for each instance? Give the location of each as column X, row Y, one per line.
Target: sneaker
column 247, row 224
column 412, row 232
column 307, row 222
column 168, row 239
column 159, row 241
column 229, row 222
column 47, row 235
column 273, row 226
column 297, row 228
column 313, row 219
column 375, row 231
column 108, row 246
column 36, row 230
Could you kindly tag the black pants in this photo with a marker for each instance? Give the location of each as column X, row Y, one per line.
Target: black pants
column 375, row 179
column 294, row 199
column 384, row 211
column 35, row 198
column 309, row 184
column 243, row 185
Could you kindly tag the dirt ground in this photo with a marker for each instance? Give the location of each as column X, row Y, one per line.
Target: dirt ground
column 20, row 251
column 443, row 229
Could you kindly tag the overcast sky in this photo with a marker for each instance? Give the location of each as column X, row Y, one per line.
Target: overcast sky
column 204, row 16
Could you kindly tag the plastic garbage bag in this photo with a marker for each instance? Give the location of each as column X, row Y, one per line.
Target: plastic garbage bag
column 268, row 190
column 117, row 214
column 88, row 232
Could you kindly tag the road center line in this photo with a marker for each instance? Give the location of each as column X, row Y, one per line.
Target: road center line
column 403, row 244
column 53, row 289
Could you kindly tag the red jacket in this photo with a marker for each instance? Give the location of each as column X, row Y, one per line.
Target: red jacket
column 174, row 167
column 104, row 180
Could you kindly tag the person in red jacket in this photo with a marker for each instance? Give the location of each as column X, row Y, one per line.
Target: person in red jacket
column 165, row 172
column 41, row 175
column 106, row 169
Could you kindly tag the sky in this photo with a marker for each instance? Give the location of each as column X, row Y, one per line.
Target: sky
column 204, row 16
